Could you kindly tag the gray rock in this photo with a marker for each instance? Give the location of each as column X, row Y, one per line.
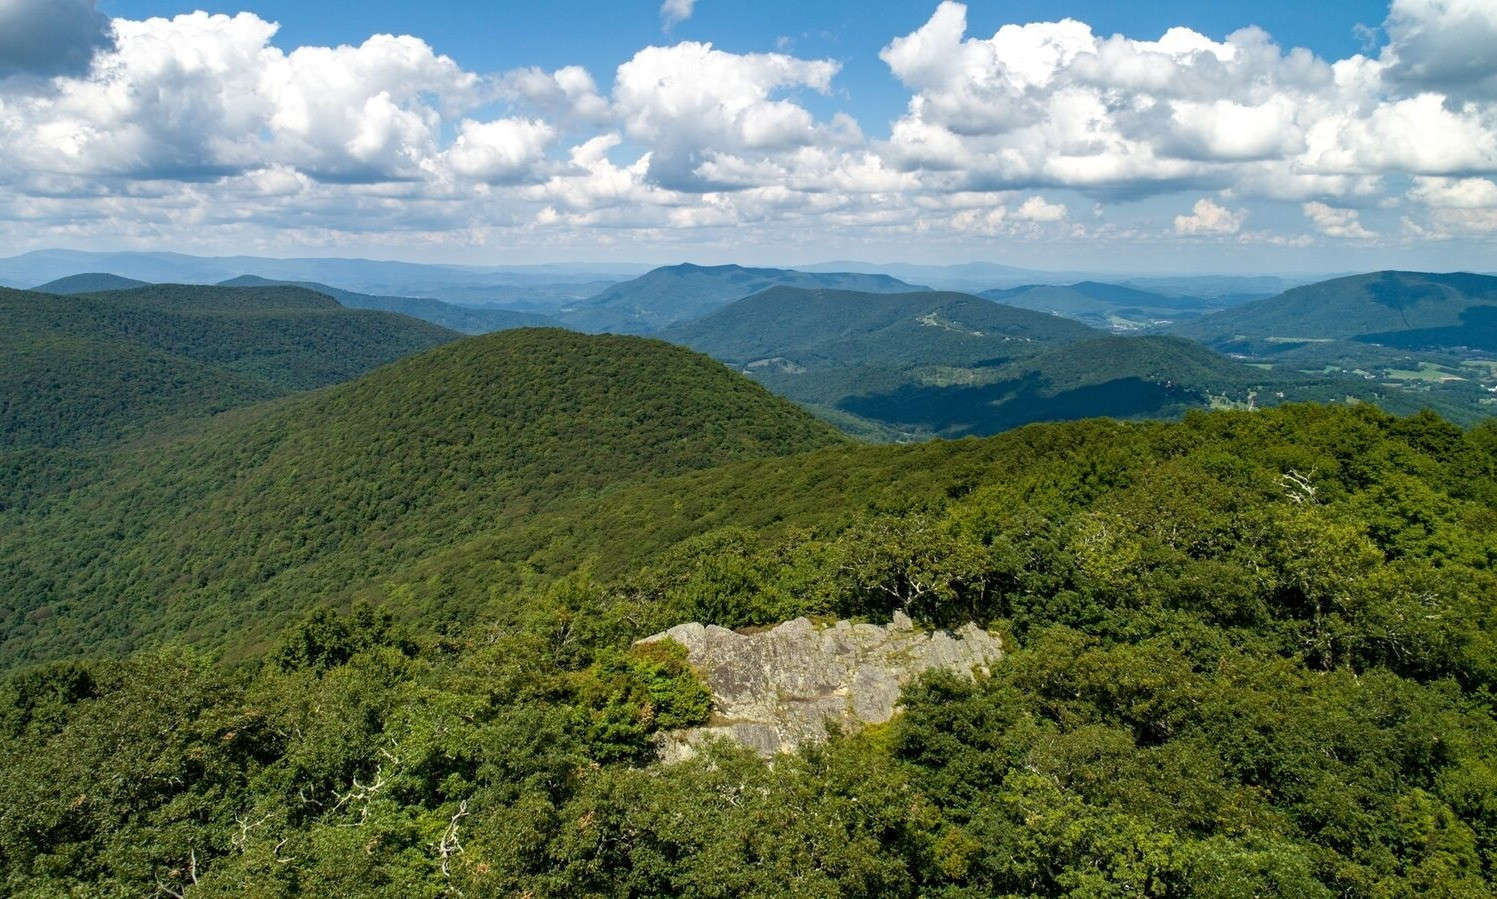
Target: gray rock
column 776, row 689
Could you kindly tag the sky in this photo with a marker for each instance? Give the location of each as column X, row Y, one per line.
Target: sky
column 1283, row 137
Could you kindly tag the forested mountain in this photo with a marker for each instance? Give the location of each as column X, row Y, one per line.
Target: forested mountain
column 904, row 366
column 95, row 366
column 810, row 327
column 379, row 277
column 466, row 319
column 330, row 486
column 679, row 293
column 1345, row 308
column 91, row 282
column 1111, row 306
column 1251, row 653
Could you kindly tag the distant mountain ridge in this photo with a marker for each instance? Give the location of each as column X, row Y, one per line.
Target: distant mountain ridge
column 465, row 319
column 88, row 282
column 677, row 293
column 1114, row 307
column 95, row 366
column 462, row 283
column 1384, row 303
column 951, row 364
column 844, row 327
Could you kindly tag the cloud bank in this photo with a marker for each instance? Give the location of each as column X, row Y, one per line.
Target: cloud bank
column 173, row 128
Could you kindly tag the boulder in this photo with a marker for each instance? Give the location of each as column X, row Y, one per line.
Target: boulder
column 774, row 689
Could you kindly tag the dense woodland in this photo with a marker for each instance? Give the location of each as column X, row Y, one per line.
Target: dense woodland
column 378, row 639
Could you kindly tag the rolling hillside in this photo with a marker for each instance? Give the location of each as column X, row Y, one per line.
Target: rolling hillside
column 91, row 282
column 96, row 366
column 1384, row 303
column 1120, row 377
column 678, row 293
column 270, row 510
column 815, row 327
column 1110, row 306
column 903, row 366
column 464, row 319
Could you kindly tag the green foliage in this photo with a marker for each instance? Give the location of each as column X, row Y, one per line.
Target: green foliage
column 82, row 369
column 901, row 366
column 236, row 528
column 628, row 695
column 1252, row 653
column 1350, row 307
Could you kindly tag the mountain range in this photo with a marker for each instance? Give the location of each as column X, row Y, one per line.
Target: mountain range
column 464, row 319
column 274, row 623
column 665, row 296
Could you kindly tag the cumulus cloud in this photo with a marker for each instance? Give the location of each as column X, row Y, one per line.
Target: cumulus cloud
column 1448, row 46
column 199, row 122
column 691, row 103
column 1333, row 222
column 1054, row 104
column 51, row 37
column 501, row 151
column 1037, row 209
column 1207, row 217
column 205, row 95
column 674, row 12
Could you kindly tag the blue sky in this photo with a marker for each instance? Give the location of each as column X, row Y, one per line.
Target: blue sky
column 485, row 35
column 1161, row 136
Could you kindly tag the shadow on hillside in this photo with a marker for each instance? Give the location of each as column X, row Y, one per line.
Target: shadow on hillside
column 990, row 408
column 1477, row 330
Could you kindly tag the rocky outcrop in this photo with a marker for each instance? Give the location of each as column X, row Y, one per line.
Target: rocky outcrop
column 776, row 689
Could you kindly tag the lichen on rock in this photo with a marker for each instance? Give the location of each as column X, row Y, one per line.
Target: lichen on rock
column 776, row 689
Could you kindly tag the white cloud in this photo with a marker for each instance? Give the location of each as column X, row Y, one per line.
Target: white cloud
column 1448, row 46
column 501, row 151
column 1052, row 103
column 691, row 102
column 1455, row 193
column 674, row 12
column 1333, row 222
column 1036, row 209
column 176, row 128
column 1207, row 217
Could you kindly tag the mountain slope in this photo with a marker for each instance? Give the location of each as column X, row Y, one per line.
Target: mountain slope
column 267, row 511
column 679, row 293
column 1381, row 302
column 90, row 367
column 465, row 319
column 1113, row 306
column 291, row 337
column 1119, row 377
column 900, row 366
column 91, row 282
column 815, row 327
